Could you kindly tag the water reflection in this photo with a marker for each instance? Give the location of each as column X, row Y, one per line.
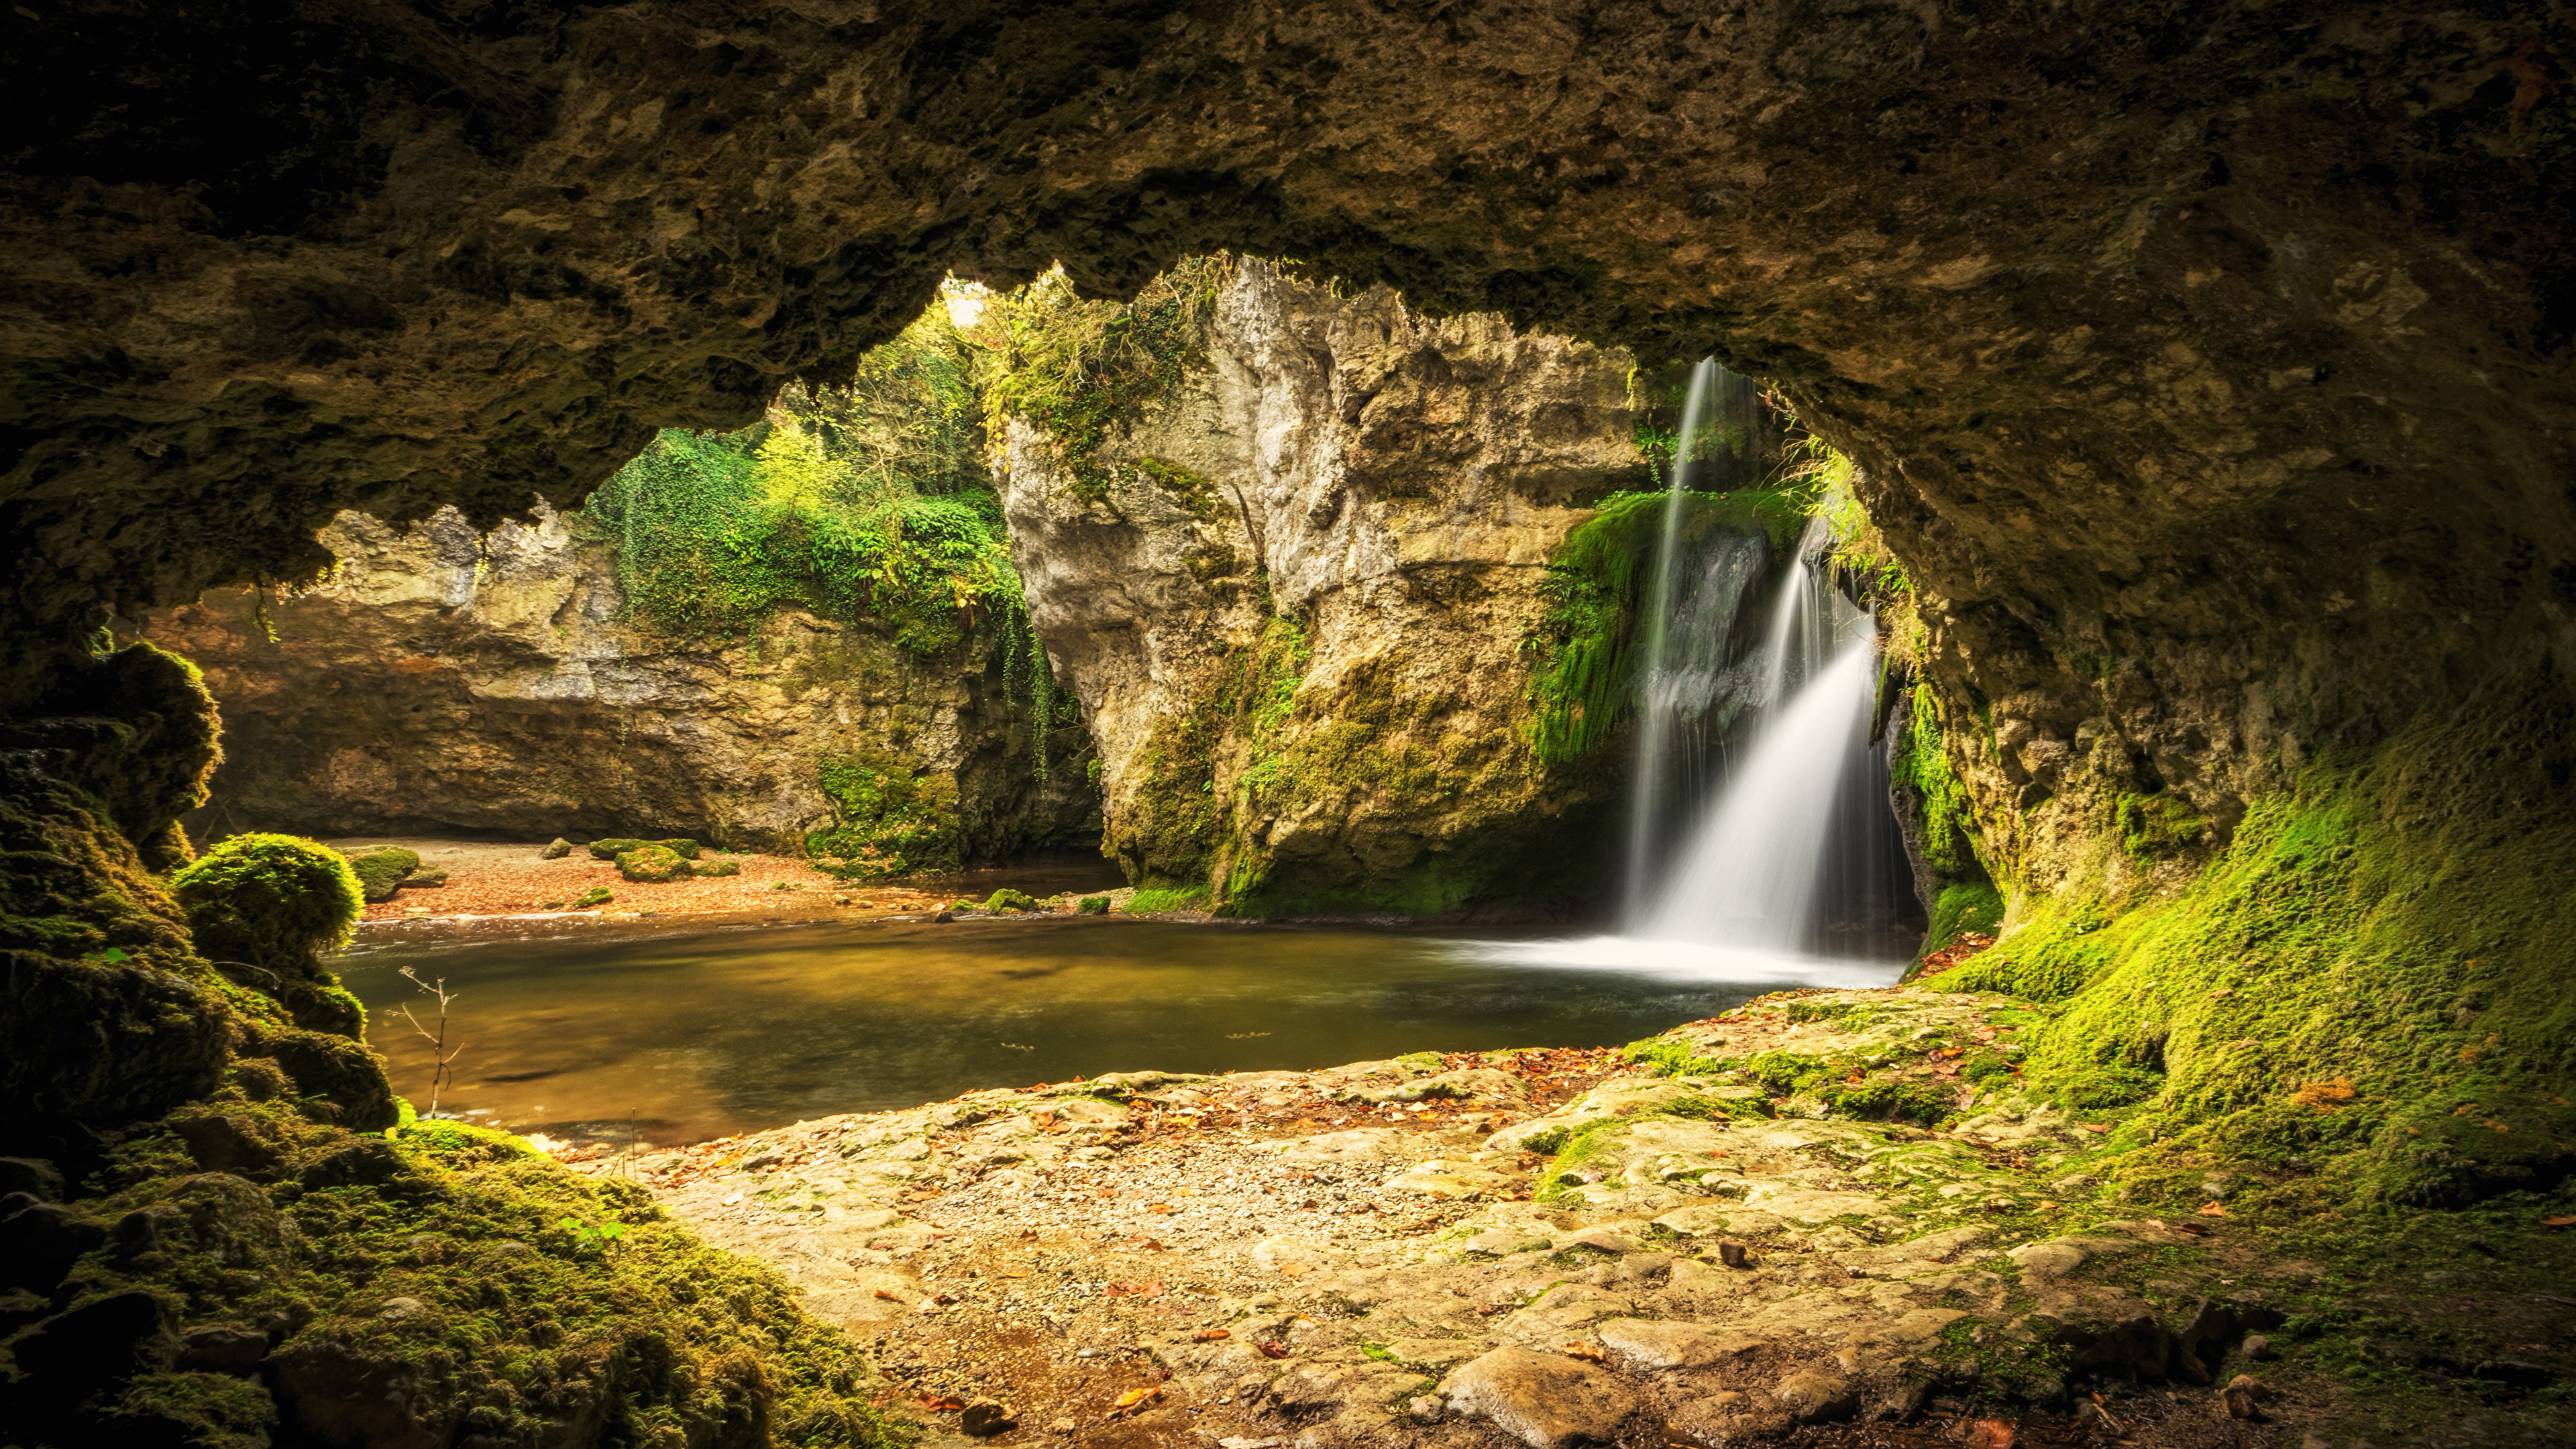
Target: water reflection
column 696, row 1032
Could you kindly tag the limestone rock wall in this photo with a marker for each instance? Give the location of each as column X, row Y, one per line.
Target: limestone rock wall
column 444, row 680
column 1297, row 636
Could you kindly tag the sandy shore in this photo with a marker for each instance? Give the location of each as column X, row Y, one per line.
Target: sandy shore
column 512, row 878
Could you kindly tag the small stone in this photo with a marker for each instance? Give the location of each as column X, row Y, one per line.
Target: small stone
column 986, row 1417
column 1734, row 1255
column 556, row 849
column 840, row 900
column 1062, row 1426
column 2243, row 1397
column 222, row 1350
column 1811, row 1395
column 1086, row 1353
column 943, row 918
column 1545, row 1400
column 2257, row 1348
column 402, row 1308
column 1426, row 1410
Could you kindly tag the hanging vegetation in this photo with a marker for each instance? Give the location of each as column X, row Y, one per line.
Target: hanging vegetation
column 1075, row 368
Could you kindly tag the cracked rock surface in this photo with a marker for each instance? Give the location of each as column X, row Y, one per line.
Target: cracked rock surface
column 1552, row 1247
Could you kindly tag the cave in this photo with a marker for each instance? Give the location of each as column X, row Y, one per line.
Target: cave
column 2203, row 371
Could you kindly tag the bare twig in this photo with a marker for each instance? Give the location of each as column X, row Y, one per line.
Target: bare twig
column 439, row 1073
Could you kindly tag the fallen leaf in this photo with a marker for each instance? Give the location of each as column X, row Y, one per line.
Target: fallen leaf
column 1133, row 1397
column 2213, row 1210
column 1274, row 1350
column 890, row 1298
column 1990, row 1434
column 1211, row 1335
column 2561, row 1221
column 2046, row 1206
column 1591, row 1351
column 2089, row 1127
column 2326, row 1096
column 1291, row 1270
column 1158, row 1207
column 944, row 1404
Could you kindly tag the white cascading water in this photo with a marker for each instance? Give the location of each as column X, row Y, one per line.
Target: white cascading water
column 1686, row 675
column 1752, row 872
column 1800, row 828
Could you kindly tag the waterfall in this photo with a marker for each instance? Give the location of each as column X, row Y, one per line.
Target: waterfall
column 1689, row 610
column 1798, row 839
column 1788, row 870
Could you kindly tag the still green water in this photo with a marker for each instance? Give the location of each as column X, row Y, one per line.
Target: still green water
column 584, row 1027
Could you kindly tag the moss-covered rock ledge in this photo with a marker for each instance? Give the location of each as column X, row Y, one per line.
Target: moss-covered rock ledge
column 1868, row 1205
column 219, row 1229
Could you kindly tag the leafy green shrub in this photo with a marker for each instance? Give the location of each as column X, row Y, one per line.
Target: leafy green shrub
column 1078, row 368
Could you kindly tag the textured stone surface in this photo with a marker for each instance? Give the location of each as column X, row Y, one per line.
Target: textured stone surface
column 445, row 681
column 1390, row 484
column 2145, row 322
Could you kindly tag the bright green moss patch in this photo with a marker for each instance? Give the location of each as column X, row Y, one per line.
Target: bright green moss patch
column 1151, row 902
column 892, row 820
column 1585, row 643
column 1081, row 370
column 513, row 1295
column 2376, row 961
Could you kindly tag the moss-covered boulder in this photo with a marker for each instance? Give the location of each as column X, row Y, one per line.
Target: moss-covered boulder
column 595, row 896
column 684, row 849
column 652, row 864
column 382, row 871
column 1007, row 899
column 613, row 847
column 556, row 849
column 264, row 909
column 720, row 867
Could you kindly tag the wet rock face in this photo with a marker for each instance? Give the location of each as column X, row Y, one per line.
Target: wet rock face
column 1296, row 620
column 447, row 681
column 2146, row 326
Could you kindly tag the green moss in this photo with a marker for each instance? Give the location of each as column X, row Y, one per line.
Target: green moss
column 1007, row 899
column 2375, row 956
column 530, row 1299
column 1154, row 902
column 1584, row 642
column 892, row 821
column 613, row 847
column 264, row 909
column 2154, row 827
column 1920, row 765
column 1092, row 906
column 380, row 872
column 652, row 864
column 595, row 896
column 1978, row 908
column 1082, row 370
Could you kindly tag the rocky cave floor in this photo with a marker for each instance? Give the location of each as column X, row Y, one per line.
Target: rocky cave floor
column 1560, row 1246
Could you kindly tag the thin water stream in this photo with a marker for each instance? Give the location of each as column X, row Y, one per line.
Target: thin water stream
column 680, row 1033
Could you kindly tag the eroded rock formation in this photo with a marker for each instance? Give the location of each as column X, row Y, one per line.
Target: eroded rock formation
column 1299, row 616
column 443, row 679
